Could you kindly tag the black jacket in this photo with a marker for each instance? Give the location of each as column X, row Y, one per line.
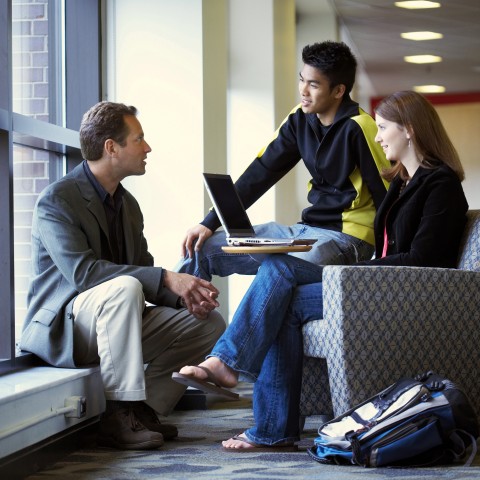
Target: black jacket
column 424, row 222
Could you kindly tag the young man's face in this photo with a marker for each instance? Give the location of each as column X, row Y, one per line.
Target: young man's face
column 315, row 92
column 130, row 158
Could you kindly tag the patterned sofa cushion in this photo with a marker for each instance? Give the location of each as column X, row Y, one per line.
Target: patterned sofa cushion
column 469, row 258
column 314, row 344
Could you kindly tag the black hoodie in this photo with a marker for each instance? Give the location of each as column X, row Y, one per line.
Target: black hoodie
column 343, row 160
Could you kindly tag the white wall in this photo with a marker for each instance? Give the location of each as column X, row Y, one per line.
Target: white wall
column 461, row 122
column 157, row 63
column 311, row 28
column 261, row 92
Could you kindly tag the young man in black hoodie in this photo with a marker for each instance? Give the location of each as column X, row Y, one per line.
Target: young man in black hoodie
column 335, row 139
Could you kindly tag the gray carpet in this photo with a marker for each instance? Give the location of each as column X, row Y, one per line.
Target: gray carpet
column 197, row 454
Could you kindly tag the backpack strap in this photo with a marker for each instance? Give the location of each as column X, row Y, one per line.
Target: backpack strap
column 460, row 447
column 422, row 377
column 352, row 437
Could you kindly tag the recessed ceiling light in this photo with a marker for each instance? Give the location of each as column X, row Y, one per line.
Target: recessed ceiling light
column 429, row 88
column 417, row 4
column 422, row 59
column 421, row 35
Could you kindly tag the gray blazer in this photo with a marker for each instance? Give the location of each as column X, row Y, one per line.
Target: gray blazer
column 68, row 231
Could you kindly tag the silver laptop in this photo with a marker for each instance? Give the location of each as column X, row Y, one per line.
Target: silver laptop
column 231, row 212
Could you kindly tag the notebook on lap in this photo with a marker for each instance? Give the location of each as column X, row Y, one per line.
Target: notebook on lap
column 231, row 212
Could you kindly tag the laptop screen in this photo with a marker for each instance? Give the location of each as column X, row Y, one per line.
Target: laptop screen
column 228, row 205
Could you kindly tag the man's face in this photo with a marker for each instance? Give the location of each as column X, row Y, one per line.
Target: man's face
column 130, row 158
column 315, row 92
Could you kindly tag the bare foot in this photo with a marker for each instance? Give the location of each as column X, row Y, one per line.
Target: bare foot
column 223, row 374
column 238, row 443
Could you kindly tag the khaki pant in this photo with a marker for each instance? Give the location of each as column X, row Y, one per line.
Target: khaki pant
column 139, row 346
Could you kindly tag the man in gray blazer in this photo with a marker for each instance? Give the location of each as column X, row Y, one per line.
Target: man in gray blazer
column 92, row 276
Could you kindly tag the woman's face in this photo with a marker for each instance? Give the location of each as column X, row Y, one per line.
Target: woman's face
column 393, row 138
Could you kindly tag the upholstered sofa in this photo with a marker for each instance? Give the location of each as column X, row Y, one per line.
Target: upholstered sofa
column 381, row 323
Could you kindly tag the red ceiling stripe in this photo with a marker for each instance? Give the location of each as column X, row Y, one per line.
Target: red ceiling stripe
column 441, row 98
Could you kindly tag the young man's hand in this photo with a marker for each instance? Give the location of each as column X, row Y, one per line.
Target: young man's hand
column 198, row 233
column 199, row 296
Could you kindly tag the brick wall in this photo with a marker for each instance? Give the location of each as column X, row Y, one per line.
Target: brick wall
column 30, row 58
column 31, row 166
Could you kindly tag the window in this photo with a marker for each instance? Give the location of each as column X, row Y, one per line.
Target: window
column 50, row 72
column 33, row 95
column 34, row 42
column 33, row 170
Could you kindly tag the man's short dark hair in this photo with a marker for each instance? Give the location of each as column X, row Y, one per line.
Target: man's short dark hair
column 335, row 60
column 103, row 121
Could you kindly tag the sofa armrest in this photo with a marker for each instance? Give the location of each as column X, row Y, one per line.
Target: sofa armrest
column 399, row 297
column 358, row 299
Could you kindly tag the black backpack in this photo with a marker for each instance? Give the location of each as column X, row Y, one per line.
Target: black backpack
column 419, row 421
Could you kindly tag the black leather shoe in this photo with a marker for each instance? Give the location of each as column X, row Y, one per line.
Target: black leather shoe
column 120, row 428
column 148, row 417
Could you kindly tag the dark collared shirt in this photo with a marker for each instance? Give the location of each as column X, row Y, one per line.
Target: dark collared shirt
column 113, row 211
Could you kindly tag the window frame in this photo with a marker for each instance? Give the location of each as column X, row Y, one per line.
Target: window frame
column 82, row 56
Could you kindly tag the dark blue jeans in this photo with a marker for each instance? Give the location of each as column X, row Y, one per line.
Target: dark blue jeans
column 264, row 342
column 331, row 248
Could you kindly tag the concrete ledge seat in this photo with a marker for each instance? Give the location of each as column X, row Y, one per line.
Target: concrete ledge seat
column 31, row 403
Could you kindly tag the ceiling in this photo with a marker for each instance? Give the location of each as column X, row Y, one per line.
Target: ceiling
column 374, row 28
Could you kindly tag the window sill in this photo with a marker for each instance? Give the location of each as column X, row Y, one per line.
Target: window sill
column 30, row 399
